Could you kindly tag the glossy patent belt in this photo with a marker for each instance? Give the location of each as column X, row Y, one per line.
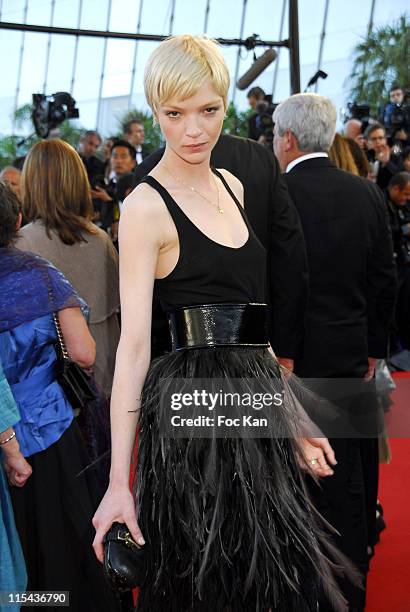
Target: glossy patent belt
column 213, row 325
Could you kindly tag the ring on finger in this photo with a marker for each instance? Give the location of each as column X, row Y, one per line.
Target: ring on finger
column 313, row 461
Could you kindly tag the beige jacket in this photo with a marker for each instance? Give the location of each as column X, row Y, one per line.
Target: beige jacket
column 92, row 269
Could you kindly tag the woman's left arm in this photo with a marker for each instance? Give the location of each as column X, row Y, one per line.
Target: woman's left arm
column 77, row 338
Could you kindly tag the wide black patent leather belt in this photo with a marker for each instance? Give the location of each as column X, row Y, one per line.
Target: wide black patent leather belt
column 219, row 325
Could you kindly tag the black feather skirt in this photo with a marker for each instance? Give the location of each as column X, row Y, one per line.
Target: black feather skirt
column 227, row 521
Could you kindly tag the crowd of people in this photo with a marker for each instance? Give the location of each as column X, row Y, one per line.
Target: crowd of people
column 314, row 223
column 377, row 149
column 385, row 144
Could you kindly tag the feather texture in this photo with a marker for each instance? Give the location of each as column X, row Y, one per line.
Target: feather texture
column 228, row 521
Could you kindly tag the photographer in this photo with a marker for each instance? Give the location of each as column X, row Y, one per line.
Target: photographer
column 396, row 113
column 122, row 163
column 384, row 164
column 397, row 197
column 255, row 95
column 260, row 125
column 399, row 140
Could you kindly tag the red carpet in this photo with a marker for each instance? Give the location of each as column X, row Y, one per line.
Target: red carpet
column 389, row 577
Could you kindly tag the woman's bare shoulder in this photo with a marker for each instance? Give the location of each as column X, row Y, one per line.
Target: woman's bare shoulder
column 143, row 202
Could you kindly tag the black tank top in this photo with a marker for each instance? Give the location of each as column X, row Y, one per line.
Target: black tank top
column 208, row 272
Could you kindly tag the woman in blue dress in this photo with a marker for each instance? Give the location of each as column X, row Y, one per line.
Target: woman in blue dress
column 53, row 510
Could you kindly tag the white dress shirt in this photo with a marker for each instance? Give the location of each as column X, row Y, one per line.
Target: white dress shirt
column 139, row 154
column 302, row 158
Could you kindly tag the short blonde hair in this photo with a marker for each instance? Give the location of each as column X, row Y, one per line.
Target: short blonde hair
column 180, row 65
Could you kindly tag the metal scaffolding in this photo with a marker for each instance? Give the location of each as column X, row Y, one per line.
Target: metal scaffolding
column 53, row 6
column 134, row 62
column 25, row 27
column 238, row 54
column 138, row 36
column 77, row 38
column 289, row 7
column 322, row 41
column 20, row 66
column 276, row 68
column 206, row 18
column 103, row 63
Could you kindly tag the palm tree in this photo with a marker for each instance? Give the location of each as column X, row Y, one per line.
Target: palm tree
column 381, row 60
column 236, row 122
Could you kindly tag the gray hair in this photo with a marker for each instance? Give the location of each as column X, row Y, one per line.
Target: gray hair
column 89, row 133
column 311, row 119
column 6, row 169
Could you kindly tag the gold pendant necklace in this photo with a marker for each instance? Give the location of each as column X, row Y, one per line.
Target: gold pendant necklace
column 220, row 210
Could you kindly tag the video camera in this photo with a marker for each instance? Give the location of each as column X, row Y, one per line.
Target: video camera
column 397, row 117
column 49, row 111
column 358, row 111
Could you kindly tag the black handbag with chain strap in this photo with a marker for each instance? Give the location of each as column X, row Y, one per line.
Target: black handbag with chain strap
column 73, row 379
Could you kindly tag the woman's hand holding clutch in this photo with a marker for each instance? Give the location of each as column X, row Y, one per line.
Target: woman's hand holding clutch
column 118, row 506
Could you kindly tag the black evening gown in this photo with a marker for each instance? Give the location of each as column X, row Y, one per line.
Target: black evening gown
column 227, row 521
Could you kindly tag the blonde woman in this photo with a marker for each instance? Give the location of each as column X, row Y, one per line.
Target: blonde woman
column 225, row 520
column 341, row 155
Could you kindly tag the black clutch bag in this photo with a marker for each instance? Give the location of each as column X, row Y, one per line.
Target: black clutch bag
column 75, row 382
column 124, row 562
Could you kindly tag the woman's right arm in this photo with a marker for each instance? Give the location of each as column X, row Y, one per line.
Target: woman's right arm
column 140, row 242
column 18, row 470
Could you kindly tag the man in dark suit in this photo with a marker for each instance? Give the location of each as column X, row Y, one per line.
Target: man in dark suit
column 276, row 223
column 90, row 141
column 134, row 133
column 378, row 150
column 352, row 286
column 122, row 164
column 397, row 197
